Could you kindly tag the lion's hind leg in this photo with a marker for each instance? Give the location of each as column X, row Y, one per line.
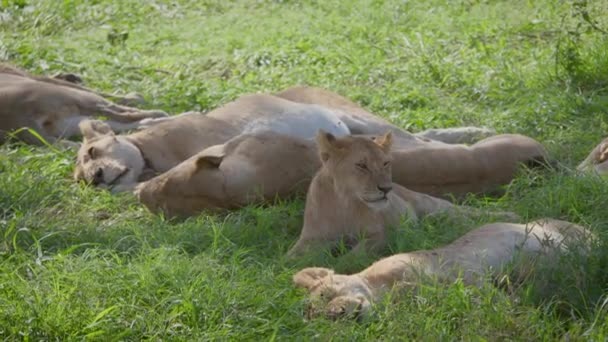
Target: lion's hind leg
column 457, row 135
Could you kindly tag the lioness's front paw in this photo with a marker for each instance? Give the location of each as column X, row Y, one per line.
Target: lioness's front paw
column 123, row 188
column 132, row 99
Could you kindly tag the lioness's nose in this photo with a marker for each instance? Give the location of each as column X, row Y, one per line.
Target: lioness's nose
column 385, row 188
column 336, row 313
column 98, row 177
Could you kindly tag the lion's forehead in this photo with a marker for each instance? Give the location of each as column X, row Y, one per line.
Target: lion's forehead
column 371, row 157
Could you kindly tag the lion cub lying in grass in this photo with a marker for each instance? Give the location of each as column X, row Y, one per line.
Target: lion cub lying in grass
column 485, row 250
column 54, row 107
column 353, row 194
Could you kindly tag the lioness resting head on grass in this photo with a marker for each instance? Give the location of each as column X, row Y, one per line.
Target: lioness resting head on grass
column 353, row 195
column 163, row 146
column 54, row 107
column 263, row 166
column 597, row 160
column 169, row 143
column 473, row 256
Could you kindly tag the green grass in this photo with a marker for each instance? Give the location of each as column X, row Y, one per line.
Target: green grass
column 76, row 263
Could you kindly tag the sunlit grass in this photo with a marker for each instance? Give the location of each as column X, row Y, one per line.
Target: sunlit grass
column 78, row 263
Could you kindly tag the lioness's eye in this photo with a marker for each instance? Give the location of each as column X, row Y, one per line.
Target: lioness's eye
column 361, row 166
column 387, row 163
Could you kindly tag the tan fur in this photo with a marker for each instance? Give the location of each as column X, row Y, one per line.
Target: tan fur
column 281, row 155
column 485, row 250
column 54, row 107
column 360, row 121
column 248, row 169
column 455, row 170
column 353, row 197
column 167, row 144
column 597, row 161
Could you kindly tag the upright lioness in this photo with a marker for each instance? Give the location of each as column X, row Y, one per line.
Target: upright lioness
column 487, row 249
column 353, row 195
column 54, row 108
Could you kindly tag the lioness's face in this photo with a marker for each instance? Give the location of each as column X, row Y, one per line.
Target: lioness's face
column 597, row 160
column 361, row 166
column 105, row 159
column 334, row 295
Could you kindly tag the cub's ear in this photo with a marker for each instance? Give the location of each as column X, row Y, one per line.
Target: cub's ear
column 326, row 144
column 309, row 277
column 210, row 157
column 385, row 141
column 91, row 129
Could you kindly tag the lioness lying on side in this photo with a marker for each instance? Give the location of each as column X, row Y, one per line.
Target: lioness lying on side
column 597, row 161
column 54, row 107
column 263, row 166
column 155, row 150
column 481, row 252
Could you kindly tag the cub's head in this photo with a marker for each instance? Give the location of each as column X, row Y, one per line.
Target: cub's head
column 334, row 295
column 597, row 160
column 105, row 159
column 359, row 166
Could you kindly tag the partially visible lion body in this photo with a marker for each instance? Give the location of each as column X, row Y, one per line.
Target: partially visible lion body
column 167, row 144
column 54, row 108
column 459, row 169
column 259, row 162
column 248, row 169
column 597, row 160
column 487, row 249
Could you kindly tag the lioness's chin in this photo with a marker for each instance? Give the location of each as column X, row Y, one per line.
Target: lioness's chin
column 123, row 179
column 376, row 204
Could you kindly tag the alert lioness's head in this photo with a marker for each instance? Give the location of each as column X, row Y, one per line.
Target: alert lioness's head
column 334, row 295
column 597, row 160
column 105, row 159
column 360, row 167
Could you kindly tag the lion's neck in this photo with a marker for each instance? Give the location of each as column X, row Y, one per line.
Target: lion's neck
column 139, row 147
column 158, row 157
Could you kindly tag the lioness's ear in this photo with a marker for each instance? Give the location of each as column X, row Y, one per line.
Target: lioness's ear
column 210, row 157
column 385, row 142
column 326, row 143
column 308, row 277
column 91, row 129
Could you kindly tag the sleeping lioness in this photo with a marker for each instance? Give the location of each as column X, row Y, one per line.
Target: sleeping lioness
column 486, row 249
column 54, row 107
column 104, row 155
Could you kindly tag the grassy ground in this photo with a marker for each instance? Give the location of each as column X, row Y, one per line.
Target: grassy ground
column 77, row 263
